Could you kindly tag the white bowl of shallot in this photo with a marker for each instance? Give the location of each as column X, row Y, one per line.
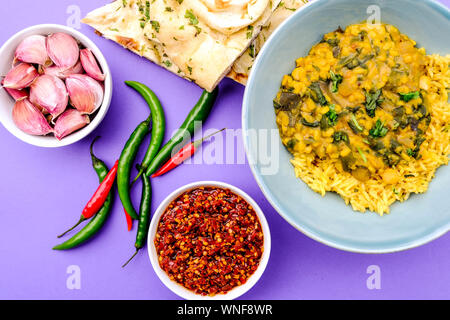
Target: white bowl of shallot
column 55, row 85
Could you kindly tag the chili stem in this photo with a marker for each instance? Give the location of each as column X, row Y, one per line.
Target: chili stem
column 134, row 255
column 76, row 225
column 141, row 172
column 91, row 151
column 199, row 141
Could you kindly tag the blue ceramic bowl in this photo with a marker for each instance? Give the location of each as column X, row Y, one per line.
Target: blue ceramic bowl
column 328, row 220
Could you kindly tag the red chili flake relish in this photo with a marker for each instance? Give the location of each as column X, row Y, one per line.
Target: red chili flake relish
column 209, row 240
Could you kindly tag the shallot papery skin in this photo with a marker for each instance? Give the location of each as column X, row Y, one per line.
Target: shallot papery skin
column 70, row 121
column 32, row 49
column 62, row 49
column 63, row 73
column 17, row 94
column 90, row 65
column 21, row 76
column 49, row 92
column 29, row 119
column 86, row 94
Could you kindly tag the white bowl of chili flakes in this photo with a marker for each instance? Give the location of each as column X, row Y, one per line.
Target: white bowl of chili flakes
column 209, row 240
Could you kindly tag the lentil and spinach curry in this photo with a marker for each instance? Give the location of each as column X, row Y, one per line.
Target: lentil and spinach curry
column 356, row 114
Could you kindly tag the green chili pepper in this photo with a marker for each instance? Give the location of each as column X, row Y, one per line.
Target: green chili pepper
column 158, row 120
column 199, row 113
column 144, row 216
column 125, row 164
column 99, row 220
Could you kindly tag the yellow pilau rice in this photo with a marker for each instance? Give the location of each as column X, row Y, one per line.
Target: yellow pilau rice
column 374, row 194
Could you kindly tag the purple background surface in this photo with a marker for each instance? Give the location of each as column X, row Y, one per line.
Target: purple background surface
column 42, row 192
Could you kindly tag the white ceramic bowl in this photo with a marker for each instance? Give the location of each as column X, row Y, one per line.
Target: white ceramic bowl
column 177, row 288
column 7, row 103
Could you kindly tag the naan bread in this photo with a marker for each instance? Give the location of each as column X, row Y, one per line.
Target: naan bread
column 203, row 53
column 242, row 67
column 125, row 23
column 182, row 36
column 228, row 16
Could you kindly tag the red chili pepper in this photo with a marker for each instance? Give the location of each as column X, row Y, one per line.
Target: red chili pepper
column 129, row 220
column 98, row 199
column 185, row 153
